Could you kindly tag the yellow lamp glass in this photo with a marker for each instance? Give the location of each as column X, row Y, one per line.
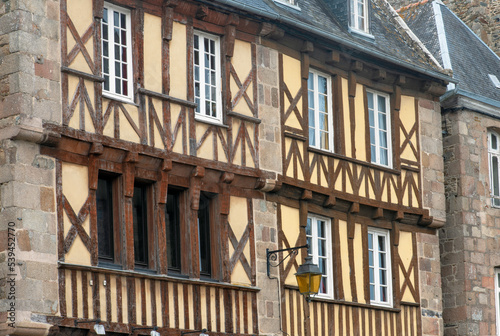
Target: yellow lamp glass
column 308, row 278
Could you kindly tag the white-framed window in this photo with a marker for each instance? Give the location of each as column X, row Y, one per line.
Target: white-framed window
column 207, row 76
column 379, row 263
column 291, row 3
column 117, row 52
column 494, row 165
column 497, row 299
column 318, row 234
column 319, row 88
column 359, row 15
column 380, row 128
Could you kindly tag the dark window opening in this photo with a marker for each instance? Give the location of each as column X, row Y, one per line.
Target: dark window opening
column 173, row 229
column 140, row 218
column 204, row 236
column 105, row 221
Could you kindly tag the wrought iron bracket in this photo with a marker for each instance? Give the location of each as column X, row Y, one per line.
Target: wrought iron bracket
column 273, row 256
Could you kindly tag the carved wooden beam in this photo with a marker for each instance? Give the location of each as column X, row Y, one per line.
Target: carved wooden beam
column 333, row 57
column 202, row 12
column 353, row 81
column 195, row 186
column 271, row 31
column 330, row 202
column 98, row 9
column 378, row 213
column 356, row 66
column 307, row 47
column 379, row 75
column 397, row 97
column 226, row 178
column 306, row 195
column 395, row 233
column 354, row 208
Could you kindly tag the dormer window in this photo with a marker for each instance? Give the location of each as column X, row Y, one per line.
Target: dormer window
column 290, row 3
column 359, row 15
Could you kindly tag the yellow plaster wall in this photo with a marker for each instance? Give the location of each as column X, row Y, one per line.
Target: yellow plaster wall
column 360, row 119
column 242, row 63
column 238, row 219
column 347, row 117
column 74, row 122
column 251, row 131
column 358, row 259
column 109, row 127
column 405, row 250
column 292, row 79
column 344, row 251
column 178, row 65
column 206, row 150
column 290, row 225
column 80, row 13
column 152, row 53
column 408, row 119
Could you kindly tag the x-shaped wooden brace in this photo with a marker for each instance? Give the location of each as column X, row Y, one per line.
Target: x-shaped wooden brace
column 293, row 104
column 408, row 139
column 80, row 43
column 238, row 249
column 242, row 89
column 76, row 224
column 407, row 273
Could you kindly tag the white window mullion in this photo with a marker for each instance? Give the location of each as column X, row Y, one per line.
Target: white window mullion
column 379, row 263
column 207, row 77
column 117, row 66
column 315, row 94
column 320, row 248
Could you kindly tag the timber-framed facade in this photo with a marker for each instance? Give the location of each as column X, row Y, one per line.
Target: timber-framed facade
column 192, row 135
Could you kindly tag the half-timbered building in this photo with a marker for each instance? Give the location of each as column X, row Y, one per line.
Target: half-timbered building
column 154, row 149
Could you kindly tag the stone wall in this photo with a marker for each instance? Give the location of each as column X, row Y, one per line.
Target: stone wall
column 265, row 212
column 434, row 200
column 469, row 242
column 29, row 95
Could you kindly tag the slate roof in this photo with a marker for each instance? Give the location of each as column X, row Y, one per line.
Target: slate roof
column 455, row 46
column 390, row 42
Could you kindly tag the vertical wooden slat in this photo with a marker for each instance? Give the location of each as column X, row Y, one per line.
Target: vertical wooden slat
column 154, row 319
column 176, row 305
column 228, row 310
column 74, row 296
column 245, row 313
column 209, row 307
column 197, row 307
column 85, row 298
column 185, row 295
column 237, row 311
column 62, row 292
column 217, row 305
column 96, row 299
column 118, row 302
column 341, row 319
column 108, row 297
column 165, row 299
column 131, row 299
column 254, row 315
column 299, row 310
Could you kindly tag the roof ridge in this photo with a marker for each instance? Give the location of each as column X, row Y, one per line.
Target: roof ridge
column 416, row 4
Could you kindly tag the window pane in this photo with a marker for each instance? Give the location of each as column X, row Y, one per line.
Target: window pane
column 369, row 95
column 104, row 205
column 322, row 85
column 139, row 205
column 204, row 236
column 310, row 81
column 172, row 224
column 494, row 142
column 381, row 104
column 495, row 176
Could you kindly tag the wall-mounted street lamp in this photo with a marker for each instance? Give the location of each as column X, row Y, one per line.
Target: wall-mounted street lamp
column 98, row 328
column 308, row 274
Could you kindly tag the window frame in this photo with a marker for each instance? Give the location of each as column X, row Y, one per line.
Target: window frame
column 494, row 154
column 329, row 100
column 200, row 110
column 377, row 129
column 354, row 16
column 116, row 210
column 313, row 245
column 376, row 232
column 112, row 92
